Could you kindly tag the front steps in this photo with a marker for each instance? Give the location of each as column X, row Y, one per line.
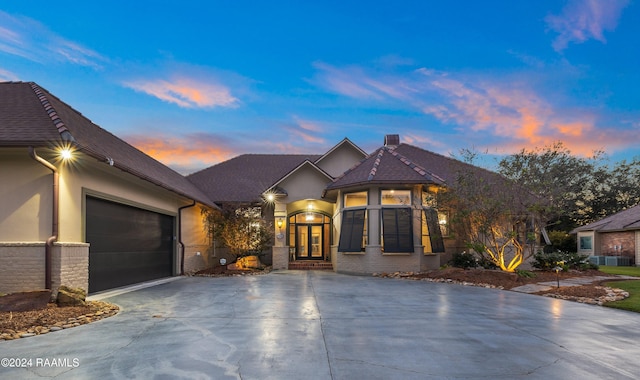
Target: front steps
column 310, row 265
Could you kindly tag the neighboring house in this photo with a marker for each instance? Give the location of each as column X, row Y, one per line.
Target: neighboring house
column 104, row 216
column 614, row 240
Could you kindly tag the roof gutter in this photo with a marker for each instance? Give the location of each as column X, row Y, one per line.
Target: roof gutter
column 182, row 247
column 55, row 215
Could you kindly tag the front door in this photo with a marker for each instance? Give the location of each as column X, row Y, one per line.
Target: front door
column 309, row 242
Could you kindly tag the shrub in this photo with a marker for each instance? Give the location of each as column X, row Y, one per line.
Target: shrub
column 563, row 241
column 564, row 260
column 464, row 260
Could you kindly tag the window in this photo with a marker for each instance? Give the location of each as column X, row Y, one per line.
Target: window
column 352, row 231
column 397, row 234
column 355, row 199
column 432, row 231
column 396, row 197
column 586, row 242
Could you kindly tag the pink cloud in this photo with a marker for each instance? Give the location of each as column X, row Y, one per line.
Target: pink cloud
column 308, row 131
column 582, row 20
column 185, row 154
column 186, row 92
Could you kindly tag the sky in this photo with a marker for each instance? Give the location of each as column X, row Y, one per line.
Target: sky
column 194, row 83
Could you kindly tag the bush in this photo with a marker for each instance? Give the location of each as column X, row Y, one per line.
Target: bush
column 464, row 260
column 563, row 241
column 564, row 260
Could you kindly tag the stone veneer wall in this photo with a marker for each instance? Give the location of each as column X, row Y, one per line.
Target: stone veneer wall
column 70, row 266
column 373, row 261
column 22, row 266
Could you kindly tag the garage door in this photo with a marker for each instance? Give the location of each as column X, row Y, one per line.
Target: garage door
column 127, row 244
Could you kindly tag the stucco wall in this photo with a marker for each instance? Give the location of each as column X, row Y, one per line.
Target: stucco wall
column 26, row 216
column 340, row 159
column 197, row 248
column 26, row 194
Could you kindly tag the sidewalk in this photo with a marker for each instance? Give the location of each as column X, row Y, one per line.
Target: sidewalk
column 575, row 281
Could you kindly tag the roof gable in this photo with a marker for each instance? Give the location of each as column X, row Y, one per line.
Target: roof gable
column 297, row 170
column 31, row 116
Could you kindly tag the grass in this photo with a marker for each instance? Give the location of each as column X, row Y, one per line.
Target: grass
column 626, row 271
column 632, row 286
column 633, row 302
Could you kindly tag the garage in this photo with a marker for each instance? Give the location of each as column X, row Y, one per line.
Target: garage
column 128, row 245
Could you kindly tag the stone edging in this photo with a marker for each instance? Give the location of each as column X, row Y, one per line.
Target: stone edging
column 613, row 294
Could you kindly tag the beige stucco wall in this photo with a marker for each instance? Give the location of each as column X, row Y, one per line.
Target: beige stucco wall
column 26, row 197
column 198, row 250
column 305, row 183
column 340, row 159
column 26, row 215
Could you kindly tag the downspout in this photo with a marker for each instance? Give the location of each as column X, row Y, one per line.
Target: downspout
column 182, row 248
column 55, row 216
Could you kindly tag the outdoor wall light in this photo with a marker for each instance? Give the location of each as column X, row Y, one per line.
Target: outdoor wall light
column 66, row 153
column 280, row 223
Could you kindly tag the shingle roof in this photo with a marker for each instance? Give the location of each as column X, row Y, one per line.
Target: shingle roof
column 628, row 219
column 246, row 177
column 30, row 115
column 405, row 164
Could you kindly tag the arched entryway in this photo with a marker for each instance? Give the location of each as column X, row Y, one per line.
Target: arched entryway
column 309, row 236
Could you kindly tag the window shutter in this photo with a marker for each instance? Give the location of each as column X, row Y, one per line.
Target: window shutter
column 351, row 230
column 435, row 235
column 397, row 231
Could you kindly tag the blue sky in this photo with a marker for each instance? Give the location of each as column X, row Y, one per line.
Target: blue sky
column 193, row 83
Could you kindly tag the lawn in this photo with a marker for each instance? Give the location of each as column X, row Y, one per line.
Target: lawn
column 633, row 287
column 626, row 271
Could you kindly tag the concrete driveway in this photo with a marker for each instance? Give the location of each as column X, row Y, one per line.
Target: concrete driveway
column 320, row 325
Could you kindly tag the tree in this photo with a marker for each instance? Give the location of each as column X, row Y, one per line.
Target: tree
column 241, row 229
column 578, row 190
column 556, row 176
column 495, row 216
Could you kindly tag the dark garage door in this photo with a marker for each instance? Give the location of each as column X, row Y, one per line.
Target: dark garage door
column 127, row 244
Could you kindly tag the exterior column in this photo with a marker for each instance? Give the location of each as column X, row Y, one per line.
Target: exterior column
column 280, row 247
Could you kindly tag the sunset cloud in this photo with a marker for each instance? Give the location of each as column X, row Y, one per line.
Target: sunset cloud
column 501, row 113
column 31, row 40
column 187, row 92
column 583, row 20
column 184, row 154
column 308, row 131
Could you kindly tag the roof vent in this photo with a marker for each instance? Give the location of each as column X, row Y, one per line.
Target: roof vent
column 391, row 140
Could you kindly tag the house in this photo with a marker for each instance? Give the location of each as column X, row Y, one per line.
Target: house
column 81, row 207
column 614, row 240
column 359, row 213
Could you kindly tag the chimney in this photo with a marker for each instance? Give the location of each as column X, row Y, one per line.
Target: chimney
column 391, row 140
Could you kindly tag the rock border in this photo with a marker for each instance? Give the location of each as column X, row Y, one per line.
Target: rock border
column 613, row 294
column 106, row 310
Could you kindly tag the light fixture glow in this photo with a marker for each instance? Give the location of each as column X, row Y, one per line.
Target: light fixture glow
column 66, row 154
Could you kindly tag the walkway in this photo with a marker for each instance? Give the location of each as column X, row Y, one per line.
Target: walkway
column 321, row 325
